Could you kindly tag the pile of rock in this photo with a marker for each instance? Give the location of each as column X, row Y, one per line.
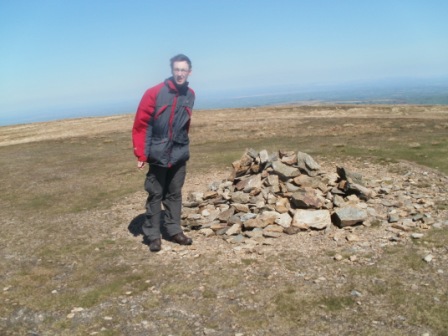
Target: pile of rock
column 268, row 195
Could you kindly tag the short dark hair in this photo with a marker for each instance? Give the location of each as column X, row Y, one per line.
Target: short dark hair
column 180, row 58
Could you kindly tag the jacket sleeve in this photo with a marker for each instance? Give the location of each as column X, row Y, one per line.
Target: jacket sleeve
column 190, row 109
column 142, row 129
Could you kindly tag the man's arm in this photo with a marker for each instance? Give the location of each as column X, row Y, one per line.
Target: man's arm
column 142, row 128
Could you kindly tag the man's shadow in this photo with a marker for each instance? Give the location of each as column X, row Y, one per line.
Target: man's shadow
column 136, row 227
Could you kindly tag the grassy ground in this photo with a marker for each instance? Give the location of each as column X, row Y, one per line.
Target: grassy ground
column 67, row 201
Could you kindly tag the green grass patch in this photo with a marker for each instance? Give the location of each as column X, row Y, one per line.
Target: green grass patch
column 336, row 303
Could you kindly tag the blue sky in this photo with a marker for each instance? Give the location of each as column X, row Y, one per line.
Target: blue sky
column 63, row 55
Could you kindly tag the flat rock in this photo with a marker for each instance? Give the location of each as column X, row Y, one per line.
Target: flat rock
column 284, row 220
column 348, row 216
column 284, row 171
column 235, row 229
column 255, row 223
column 307, row 198
column 313, row 219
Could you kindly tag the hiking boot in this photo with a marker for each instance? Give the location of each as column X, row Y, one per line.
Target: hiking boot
column 155, row 245
column 182, row 239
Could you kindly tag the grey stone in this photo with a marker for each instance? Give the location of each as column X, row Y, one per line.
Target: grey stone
column 338, row 201
column 264, row 156
column 248, row 216
column 284, row 171
column 348, row 216
column 307, row 164
column 291, row 187
column 363, row 192
column 393, row 218
column 238, row 239
column 235, row 219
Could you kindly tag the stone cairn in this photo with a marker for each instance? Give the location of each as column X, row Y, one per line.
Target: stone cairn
column 269, row 195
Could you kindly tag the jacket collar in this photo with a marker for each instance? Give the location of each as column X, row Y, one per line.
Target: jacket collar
column 176, row 88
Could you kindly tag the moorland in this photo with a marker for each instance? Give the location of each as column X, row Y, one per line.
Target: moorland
column 71, row 265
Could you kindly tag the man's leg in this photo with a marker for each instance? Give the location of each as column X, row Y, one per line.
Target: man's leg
column 172, row 200
column 154, row 185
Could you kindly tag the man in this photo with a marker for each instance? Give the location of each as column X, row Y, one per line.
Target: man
column 160, row 138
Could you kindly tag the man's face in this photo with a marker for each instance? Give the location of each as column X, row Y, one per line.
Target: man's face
column 180, row 72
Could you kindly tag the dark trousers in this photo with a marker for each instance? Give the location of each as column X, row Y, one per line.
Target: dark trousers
column 164, row 186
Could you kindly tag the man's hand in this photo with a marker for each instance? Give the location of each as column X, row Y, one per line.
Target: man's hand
column 140, row 164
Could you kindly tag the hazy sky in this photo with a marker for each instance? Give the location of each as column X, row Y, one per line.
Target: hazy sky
column 87, row 52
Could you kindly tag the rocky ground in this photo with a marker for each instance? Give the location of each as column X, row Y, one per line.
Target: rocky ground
column 266, row 288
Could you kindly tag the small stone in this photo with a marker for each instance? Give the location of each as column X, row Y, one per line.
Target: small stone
column 352, row 238
column 272, row 234
column 291, row 230
column 355, row 293
column 254, row 223
column 417, row 235
column 208, row 331
column 284, row 220
column 234, row 230
column 284, row 171
column 108, row 318
column 428, row 258
column 207, row 232
column 238, row 239
column 400, row 227
column 393, row 218
column 338, row 257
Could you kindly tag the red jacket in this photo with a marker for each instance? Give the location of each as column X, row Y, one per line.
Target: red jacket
column 161, row 125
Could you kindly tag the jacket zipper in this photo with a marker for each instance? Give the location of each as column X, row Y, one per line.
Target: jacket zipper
column 170, row 128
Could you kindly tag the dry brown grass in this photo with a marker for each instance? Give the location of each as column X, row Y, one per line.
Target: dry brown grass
column 69, row 190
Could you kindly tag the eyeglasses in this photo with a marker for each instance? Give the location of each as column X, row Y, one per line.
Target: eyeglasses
column 183, row 71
